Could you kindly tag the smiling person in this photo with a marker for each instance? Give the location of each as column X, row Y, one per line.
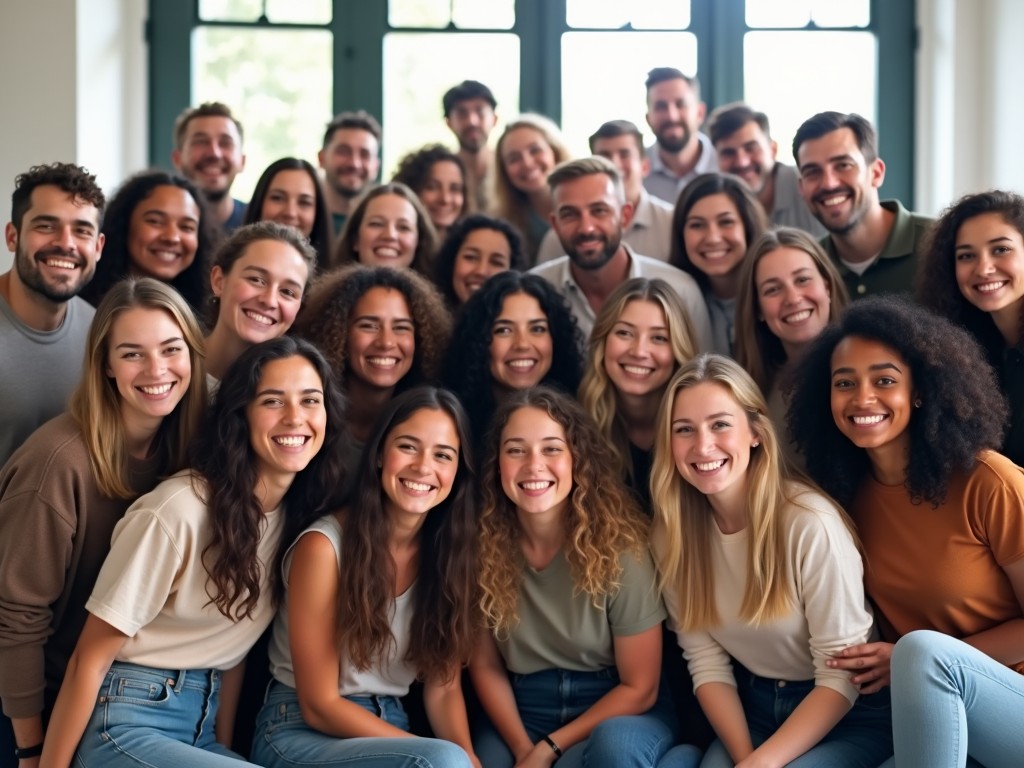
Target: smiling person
column 764, row 569
column 570, row 602
column 871, row 242
column 158, row 226
column 528, row 149
column 640, row 339
column 350, row 159
column 789, row 292
column 258, row 282
column 379, row 594
column 438, row 177
column 514, row 333
column 289, row 192
column 389, row 227
column 191, row 579
column 716, row 218
column 475, row 249
column 469, row 113
column 898, row 415
column 972, row 272
column 139, row 402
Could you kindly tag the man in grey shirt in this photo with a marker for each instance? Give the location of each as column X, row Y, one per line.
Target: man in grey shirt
column 55, row 236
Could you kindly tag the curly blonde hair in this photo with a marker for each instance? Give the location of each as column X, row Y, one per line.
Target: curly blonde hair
column 602, row 520
column 324, row 320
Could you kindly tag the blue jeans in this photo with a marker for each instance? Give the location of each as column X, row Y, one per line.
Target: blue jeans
column 862, row 739
column 549, row 699
column 953, row 705
column 155, row 717
column 283, row 740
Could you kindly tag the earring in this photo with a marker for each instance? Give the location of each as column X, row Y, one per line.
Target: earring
column 918, row 402
column 755, row 444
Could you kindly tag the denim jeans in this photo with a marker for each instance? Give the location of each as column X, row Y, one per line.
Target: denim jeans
column 283, row 740
column 155, row 717
column 549, row 699
column 953, row 705
column 862, row 739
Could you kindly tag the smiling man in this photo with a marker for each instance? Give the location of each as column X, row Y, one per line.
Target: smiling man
column 54, row 234
column 208, row 152
column 350, row 158
column 872, row 242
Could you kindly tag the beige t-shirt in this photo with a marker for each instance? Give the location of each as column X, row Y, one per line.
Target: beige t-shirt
column 561, row 628
column 154, row 587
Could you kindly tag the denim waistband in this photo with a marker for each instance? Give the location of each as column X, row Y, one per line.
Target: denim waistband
column 178, row 679
column 746, row 678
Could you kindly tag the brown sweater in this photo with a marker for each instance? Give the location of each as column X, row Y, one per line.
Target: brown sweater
column 55, row 531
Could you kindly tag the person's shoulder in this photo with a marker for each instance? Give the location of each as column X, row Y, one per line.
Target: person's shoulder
column 649, row 267
column 993, row 468
column 553, row 270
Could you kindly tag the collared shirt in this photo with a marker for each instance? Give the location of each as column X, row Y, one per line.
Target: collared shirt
column 894, row 269
column 789, row 208
column 662, row 182
column 559, row 274
column 649, row 232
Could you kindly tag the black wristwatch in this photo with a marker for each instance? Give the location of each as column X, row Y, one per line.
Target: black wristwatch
column 24, row 753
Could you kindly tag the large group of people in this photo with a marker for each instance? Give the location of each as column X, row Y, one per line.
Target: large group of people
column 661, row 457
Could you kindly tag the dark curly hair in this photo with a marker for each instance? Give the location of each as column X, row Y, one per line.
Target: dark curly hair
column 322, row 235
column 444, row 269
column 324, row 320
column 414, row 169
column 962, row 410
column 67, row 177
column 223, row 458
column 193, row 282
column 444, row 605
column 937, row 287
column 467, row 366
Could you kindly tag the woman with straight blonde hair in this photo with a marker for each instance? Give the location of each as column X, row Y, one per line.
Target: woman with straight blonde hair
column 641, row 336
column 762, row 568
column 139, row 402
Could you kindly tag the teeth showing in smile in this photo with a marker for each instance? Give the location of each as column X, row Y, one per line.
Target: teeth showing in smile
column 522, row 364
column 386, row 252
column 536, row 485
column 710, row 466
column 383, row 362
column 990, row 287
column 636, row 370
column 166, row 256
column 159, row 389
column 718, row 253
column 834, row 200
column 290, row 441
column 414, row 486
column 262, row 319
column 866, row 421
column 61, row 263
column 798, row 317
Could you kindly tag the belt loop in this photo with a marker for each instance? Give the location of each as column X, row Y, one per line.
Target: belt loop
column 180, row 683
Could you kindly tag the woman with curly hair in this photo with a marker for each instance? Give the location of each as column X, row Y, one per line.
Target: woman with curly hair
column 515, row 332
column 569, row 599
column 191, row 579
column 158, row 226
column 528, row 149
column 716, row 218
column 289, row 192
column 763, row 568
column 476, row 248
column 140, row 400
column 972, row 272
column 379, row 594
column 641, row 336
column 898, row 416
column 383, row 331
column 388, row 227
column 438, row 177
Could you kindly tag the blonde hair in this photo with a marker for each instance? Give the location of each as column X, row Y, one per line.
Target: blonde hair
column 597, row 394
column 683, row 520
column 602, row 520
column 96, row 403
column 758, row 350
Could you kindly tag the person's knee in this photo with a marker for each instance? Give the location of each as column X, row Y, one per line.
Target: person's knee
column 919, row 650
column 637, row 740
column 437, row 753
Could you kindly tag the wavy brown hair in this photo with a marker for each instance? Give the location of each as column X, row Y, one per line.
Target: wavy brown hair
column 602, row 520
column 443, row 620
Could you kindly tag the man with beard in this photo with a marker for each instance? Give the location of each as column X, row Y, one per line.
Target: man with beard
column 872, row 242
column 680, row 152
column 745, row 148
column 469, row 113
column 208, row 152
column 350, row 158
column 54, row 234
column 590, row 214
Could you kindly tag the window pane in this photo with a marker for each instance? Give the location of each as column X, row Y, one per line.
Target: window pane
column 421, row 67
column 484, row 14
column 429, row 14
column 798, row 13
column 299, row 11
column 278, row 83
column 603, row 77
column 230, row 10
column 615, row 14
column 778, row 82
